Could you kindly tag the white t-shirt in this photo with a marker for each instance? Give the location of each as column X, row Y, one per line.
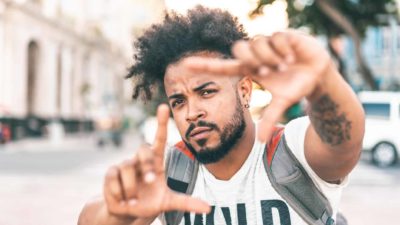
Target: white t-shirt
column 248, row 198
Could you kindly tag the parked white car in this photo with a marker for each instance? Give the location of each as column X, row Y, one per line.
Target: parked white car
column 382, row 131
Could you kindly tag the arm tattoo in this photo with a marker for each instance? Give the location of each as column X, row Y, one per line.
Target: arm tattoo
column 332, row 127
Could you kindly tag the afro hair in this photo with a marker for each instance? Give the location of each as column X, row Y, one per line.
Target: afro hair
column 202, row 29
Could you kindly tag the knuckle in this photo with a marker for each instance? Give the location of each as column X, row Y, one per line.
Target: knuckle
column 146, row 156
column 278, row 34
column 260, row 40
column 127, row 164
column 236, row 49
column 140, row 154
column 112, row 172
column 145, row 167
column 239, row 46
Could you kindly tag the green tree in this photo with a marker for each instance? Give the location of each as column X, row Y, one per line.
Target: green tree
column 334, row 18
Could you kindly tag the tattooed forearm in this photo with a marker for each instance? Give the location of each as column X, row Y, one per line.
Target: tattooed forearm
column 331, row 125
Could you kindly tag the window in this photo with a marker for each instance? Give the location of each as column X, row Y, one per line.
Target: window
column 377, row 110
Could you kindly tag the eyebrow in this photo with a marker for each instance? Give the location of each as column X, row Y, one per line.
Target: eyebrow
column 196, row 89
column 200, row 87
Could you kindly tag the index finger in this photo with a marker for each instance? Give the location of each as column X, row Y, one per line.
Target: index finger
column 213, row 65
column 161, row 134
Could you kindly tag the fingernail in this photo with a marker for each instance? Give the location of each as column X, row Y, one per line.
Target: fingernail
column 149, row 177
column 132, row 202
column 289, row 59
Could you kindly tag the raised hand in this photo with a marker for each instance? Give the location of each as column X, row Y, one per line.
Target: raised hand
column 137, row 187
column 290, row 65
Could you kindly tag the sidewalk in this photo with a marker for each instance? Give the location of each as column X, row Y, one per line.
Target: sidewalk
column 47, row 184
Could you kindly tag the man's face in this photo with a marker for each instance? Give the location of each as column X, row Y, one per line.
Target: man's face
column 207, row 110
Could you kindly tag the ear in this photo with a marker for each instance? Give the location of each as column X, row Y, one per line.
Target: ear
column 245, row 87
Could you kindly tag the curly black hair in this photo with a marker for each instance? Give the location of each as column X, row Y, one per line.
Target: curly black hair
column 202, row 29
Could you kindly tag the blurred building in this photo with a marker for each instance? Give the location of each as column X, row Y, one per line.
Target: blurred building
column 381, row 49
column 66, row 60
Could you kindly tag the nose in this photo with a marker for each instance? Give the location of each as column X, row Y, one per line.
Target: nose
column 194, row 113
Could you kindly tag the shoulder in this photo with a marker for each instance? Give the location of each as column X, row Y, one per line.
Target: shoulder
column 295, row 131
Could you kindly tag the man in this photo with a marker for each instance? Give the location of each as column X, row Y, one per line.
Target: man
column 209, row 90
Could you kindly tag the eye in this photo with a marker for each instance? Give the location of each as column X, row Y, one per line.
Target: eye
column 177, row 103
column 207, row 92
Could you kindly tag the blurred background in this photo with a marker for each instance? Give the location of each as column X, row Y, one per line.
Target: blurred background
column 66, row 113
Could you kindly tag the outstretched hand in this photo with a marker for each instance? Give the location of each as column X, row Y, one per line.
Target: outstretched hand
column 137, row 187
column 289, row 65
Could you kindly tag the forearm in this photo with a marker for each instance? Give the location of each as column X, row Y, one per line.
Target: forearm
column 336, row 114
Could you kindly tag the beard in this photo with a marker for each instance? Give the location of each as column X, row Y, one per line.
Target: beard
column 230, row 134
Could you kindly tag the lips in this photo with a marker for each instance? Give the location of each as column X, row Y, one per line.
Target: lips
column 199, row 132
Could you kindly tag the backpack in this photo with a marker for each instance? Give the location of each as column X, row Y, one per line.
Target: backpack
column 286, row 174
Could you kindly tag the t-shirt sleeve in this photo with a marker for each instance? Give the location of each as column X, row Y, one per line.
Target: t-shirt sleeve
column 295, row 133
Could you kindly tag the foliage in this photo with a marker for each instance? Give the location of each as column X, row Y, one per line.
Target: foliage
column 361, row 13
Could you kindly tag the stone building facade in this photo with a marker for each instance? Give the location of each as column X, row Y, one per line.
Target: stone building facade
column 58, row 64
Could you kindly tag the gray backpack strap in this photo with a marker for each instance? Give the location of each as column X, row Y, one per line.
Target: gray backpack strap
column 181, row 172
column 292, row 182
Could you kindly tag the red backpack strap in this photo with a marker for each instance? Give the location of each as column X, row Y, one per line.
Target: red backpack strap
column 272, row 145
column 181, row 146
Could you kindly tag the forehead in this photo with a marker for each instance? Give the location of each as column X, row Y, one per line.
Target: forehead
column 179, row 79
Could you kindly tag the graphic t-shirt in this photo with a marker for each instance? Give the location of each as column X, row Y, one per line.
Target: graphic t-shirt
column 248, row 198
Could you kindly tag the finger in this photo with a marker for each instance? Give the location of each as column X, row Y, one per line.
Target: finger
column 113, row 183
column 299, row 42
column 128, row 178
column 242, row 50
column 185, row 203
column 213, row 65
column 281, row 44
column 162, row 130
column 270, row 117
column 112, row 192
column 265, row 52
column 116, row 207
column 145, row 165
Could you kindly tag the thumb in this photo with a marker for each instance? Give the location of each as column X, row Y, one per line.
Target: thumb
column 270, row 117
column 186, row 203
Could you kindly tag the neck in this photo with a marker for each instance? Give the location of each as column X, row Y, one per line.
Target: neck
column 231, row 163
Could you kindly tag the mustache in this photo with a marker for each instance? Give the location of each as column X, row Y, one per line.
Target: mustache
column 200, row 123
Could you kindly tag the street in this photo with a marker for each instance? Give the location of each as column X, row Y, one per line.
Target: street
column 50, row 186
column 373, row 195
